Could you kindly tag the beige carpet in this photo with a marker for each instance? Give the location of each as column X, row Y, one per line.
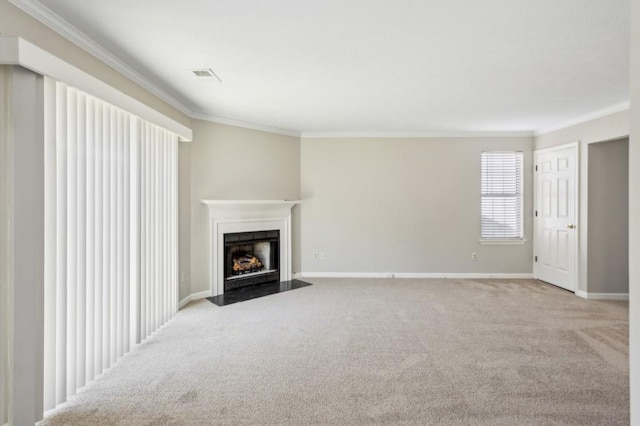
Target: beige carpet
column 358, row 351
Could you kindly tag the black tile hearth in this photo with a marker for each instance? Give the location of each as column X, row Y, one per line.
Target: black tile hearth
column 253, row 292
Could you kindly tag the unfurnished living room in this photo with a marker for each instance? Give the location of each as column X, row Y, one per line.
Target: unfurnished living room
column 219, row 212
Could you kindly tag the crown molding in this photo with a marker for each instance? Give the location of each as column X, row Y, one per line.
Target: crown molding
column 17, row 51
column 246, row 125
column 441, row 134
column 337, row 135
column 585, row 118
column 43, row 14
column 50, row 19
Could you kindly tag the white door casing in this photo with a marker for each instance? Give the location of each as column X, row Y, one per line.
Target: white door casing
column 555, row 216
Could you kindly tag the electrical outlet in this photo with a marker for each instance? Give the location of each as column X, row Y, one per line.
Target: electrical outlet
column 474, row 256
column 322, row 256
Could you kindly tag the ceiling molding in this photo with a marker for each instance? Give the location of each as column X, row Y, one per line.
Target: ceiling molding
column 585, row 118
column 50, row 19
column 43, row 14
column 442, row 134
column 246, row 125
column 17, row 51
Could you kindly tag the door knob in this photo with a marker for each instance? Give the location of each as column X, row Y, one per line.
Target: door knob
column 571, row 226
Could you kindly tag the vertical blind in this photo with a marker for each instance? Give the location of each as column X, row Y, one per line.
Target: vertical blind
column 501, row 206
column 110, row 236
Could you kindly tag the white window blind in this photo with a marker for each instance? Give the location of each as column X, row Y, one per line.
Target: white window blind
column 501, row 207
column 110, row 236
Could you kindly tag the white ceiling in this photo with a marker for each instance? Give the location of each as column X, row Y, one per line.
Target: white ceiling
column 372, row 66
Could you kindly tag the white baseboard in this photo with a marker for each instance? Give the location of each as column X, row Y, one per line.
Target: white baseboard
column 409, row 275
column 194, row 296
column 602, row 296
column 344, row 275
column 463, row 275
column 297, row 275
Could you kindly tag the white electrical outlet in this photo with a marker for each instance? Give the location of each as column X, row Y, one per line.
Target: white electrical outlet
column 474, row 256
column 322, row 256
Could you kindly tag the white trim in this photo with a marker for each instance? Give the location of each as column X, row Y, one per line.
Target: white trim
column 71, row 33
column 425, row 134
column 345, row 275
column 556, row 148
column 245, row 124
column 194, row 296
column 499, row 242
column 266, row 203
column 52, row 20
column 62, row 27
column 184, row 302
column 603, row 296
column 624, row 106
column 463, row 275
column 228, row 216
column 411, row 275
column 577, row 206
column 17, row 51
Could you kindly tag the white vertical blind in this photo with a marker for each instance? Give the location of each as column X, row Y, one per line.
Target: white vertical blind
column 156, row 248
column 501, row 204
column 111, row 237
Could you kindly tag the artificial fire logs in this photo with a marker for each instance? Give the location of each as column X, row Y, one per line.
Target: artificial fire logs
column 246, row 263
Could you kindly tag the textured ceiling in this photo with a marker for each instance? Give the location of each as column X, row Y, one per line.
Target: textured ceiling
column 373, row 66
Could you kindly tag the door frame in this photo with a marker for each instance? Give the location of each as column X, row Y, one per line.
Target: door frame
column 536, row 153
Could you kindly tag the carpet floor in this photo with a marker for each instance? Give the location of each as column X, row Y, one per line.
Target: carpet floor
column 375, row 351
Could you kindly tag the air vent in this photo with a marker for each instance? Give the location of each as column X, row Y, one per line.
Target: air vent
column 207, row 72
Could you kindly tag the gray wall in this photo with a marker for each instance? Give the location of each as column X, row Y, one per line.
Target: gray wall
column 22, row 280
column 634, row 217
column 6, row 249
column 403, row 205
column 608, row 227
column 234, row 163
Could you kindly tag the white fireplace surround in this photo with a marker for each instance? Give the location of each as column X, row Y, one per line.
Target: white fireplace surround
column 229, row 216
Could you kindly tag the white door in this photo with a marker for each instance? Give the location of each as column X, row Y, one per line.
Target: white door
column 555, row 216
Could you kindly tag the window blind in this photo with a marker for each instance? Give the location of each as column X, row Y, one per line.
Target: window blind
column 501, row 206
column 110, row 236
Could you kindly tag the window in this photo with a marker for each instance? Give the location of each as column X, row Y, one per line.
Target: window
column 501, row 196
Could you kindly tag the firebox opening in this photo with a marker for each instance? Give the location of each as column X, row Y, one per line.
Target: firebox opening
column 251, row 258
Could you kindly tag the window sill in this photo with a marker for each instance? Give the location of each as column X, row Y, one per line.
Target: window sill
column 498, row 242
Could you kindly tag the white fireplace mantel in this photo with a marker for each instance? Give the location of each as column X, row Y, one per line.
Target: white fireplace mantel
column 227, row 216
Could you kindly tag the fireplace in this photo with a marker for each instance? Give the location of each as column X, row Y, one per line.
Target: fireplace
column 256, row 223
column 251, row 258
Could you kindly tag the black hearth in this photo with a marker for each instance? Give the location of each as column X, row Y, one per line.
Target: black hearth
column 251, row 258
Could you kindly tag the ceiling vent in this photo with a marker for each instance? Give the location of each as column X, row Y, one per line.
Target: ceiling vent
column 207, row 72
